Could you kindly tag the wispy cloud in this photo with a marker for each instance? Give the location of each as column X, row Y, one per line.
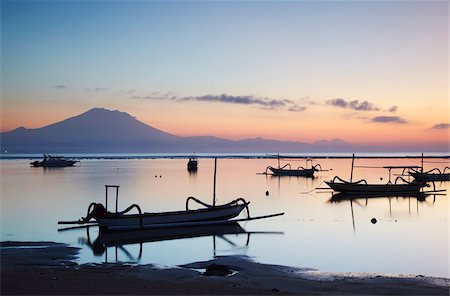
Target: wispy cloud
column 265, row 103
column 96, row 89
column 354, row 105
column 441, row 126
column 297, row 108
column 389, row 119
column 393, row 109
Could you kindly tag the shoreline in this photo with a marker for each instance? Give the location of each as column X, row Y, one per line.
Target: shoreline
column 221, row 156
column 48, row 268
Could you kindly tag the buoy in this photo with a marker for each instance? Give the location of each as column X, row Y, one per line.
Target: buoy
column 267, row 193
column 373, row 220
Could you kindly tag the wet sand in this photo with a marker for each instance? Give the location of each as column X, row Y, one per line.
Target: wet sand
column 48, row 268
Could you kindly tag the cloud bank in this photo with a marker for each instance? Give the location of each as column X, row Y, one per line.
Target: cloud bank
column 354, row 105
column 265, row 103
column 389, row 119
column 441, row 126
column 358, row 105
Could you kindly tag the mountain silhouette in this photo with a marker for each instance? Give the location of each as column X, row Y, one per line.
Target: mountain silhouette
column 102, row 130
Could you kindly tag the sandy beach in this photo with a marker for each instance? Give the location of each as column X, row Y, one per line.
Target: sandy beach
column 48, row 268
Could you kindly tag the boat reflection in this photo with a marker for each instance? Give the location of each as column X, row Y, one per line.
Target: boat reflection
column 340, row 197
column 119, row 239
column 420, row 197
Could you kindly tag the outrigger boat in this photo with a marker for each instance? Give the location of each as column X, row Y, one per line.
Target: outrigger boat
column 400, row 185
column 209, row 215
column 431, row 175
column 53, row 162
column 287, row 170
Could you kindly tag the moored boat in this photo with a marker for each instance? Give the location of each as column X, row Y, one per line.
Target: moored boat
column 287, row 170
column 362, row 187
column 208, row 215
column 123, row 220
column 192, row 164
column 399, row 186
column 431, row 175
column 53, row 162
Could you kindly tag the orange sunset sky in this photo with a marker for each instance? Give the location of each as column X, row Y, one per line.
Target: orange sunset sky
column 364, row 72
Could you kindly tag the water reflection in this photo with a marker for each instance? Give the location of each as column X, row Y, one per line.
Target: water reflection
column 363, row 201
column 311, row 223
column 119, row 239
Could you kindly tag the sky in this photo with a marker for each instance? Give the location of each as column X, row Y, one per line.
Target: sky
column 367, row 72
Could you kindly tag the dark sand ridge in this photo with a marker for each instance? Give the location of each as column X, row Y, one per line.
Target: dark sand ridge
column 47, row 268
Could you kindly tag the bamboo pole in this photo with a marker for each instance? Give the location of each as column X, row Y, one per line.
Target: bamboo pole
column 421, row 170
column 215, row 172
column 351, row 172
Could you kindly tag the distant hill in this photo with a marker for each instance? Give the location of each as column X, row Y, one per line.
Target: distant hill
column 102, row 130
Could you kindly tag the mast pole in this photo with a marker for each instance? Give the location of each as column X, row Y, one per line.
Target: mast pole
column 353, row 162
column 279, row 160
column 421, row 169
column 214, row 191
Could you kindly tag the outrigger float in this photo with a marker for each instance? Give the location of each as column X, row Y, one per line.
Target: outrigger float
column 209, row 215
column 287, row 170
column 400, row 186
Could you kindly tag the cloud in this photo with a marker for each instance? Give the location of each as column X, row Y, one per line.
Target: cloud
column 262, row 102
column 297, row 108
column 157, row 96
column 97, row 89
column 441, row 126
column 389, row 119
column 393, row 109
column 354, row 105
column 60, row 86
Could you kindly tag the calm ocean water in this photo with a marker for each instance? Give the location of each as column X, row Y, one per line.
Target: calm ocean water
column 410, row 237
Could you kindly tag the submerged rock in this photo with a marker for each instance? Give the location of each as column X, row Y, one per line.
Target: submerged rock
column 217, row 270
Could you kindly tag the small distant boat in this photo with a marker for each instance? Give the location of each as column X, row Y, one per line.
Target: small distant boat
column 53, row 162
column 361, row 187
column 192, row 164
column 286, row 170
column 431, row 175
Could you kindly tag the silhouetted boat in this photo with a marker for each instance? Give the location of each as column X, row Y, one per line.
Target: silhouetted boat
column 192, row 164
column 431, row 175
column 123, row 220
column 53, row 162
column 362, row 187
column 210, row 214
column 286, row 170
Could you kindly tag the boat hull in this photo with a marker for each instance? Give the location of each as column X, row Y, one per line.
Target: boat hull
column 114, row 221
column 294, row 173
column 351, row 188
column 53, row 164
